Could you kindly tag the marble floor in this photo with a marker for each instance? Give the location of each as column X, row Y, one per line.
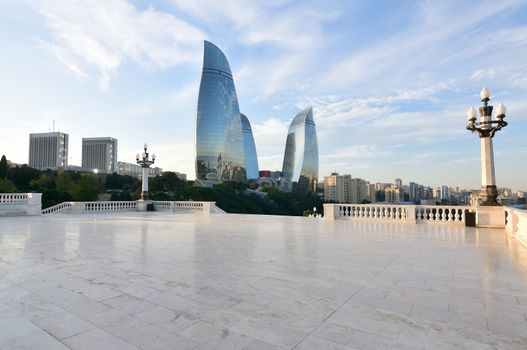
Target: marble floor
column 194, row 281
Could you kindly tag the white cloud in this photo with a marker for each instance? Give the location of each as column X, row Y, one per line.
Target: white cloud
column 483, row 74
column 104, row 34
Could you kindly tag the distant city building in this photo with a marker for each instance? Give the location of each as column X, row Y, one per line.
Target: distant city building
column 48, row 150
column 346, row 189
column 334, row 188
column 301, row 152
column 414, row 192
column 251, row 159
column 135, row 170
column 264, row 173
column 100, row 154
column 445, row 193
column 398, row 182
column 393, row 194
column 219, row 137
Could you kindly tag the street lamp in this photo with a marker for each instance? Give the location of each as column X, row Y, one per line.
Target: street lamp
column 145, row 162
column 486, row 128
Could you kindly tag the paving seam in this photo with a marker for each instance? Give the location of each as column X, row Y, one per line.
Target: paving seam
column 357, row 291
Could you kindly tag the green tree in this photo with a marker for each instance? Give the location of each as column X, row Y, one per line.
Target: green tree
column 53, row 197
column 6, row 186
column 23, row 175
column 87, row 188
column 168, row 183
column 44, row 183
column 121, row 182
column 63, row 181
column 4, row 169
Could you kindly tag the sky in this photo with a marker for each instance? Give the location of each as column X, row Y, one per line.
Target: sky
column 390, row 82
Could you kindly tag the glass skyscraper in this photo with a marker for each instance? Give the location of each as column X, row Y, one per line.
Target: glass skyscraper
column 301, row 152
column 219, row 138
column 251, row 160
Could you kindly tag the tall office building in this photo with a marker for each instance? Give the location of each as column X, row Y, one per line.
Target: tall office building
column 48, row 150
column 301, row 152
column 334, row 188
column 345, row 189
column 220, row 148
column 100, row 154
column 414, row 193
column 251, row 160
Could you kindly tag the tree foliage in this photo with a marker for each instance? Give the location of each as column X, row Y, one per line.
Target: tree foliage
column 87, row 188
column 4, row 168
column 7, row 186
column 233, row 197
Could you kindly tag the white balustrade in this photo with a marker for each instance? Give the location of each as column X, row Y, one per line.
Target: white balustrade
column 441, row 213
column 516, row 223
column 25, row 203
column 370, row 212
column 435, row 214
column 181, row 206
column 13, row 198
column 64, row 206
column 124, row 206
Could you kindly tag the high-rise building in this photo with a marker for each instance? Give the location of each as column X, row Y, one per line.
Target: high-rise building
column 445, row 193
column 301, row 152
column 132, row 169
column 48, row 150
column 393, row 194
column 345, row 189
column 100, row 154
column 251, row 160
column 220, row 151
column 414, row 192
column 334, row 188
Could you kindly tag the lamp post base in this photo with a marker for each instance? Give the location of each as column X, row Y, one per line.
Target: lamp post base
column 489, row 196
column 144, row 195
column 145, row 205
column 490, row 216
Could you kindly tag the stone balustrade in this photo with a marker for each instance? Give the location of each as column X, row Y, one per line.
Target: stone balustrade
column 516, row 223
column 128, row 206
column 24, row 203
column 435, row 214
column 181, row 206
column 441, row 213
column 64, row 206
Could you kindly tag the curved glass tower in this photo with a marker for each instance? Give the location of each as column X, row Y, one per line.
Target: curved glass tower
column 251, row 160
column 219, row 139
column 301, row 152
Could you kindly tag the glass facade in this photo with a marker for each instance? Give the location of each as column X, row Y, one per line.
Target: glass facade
column 251, row 160
column 301, row 152
column 219, row 138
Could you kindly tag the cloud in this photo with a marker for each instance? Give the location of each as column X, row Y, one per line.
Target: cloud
column 104, row 34
column 289, row 25
column 357, row 152
column 483, row 74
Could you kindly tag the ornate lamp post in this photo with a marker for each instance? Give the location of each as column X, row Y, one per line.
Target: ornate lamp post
column 486, row 128
column 145, row 163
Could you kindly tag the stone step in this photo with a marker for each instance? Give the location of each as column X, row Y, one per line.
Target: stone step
column 12, row 213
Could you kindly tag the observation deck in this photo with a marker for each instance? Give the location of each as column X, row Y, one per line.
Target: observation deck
column 165, row 280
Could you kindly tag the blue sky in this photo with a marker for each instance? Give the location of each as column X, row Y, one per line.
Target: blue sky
column 390, row 82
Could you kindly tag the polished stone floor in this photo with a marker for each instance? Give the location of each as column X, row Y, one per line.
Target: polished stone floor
column 194, row 281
